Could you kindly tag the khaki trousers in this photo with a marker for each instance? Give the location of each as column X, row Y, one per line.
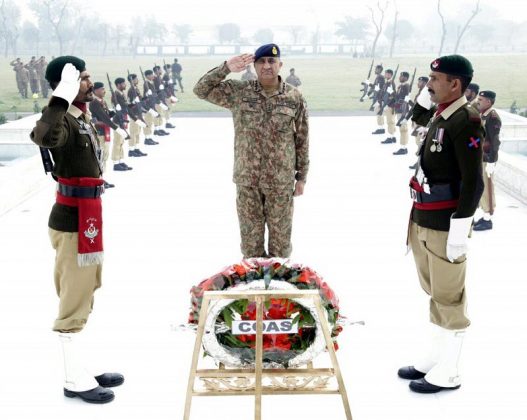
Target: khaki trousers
column 135, row 134
column 149, row 120
column 389, row 115
column 403, row 130
column 158, row 121
column 105, row 147
column 487, row 201
column 442, row 280
column 117, row 148
column 258, row 207
column 75, row 285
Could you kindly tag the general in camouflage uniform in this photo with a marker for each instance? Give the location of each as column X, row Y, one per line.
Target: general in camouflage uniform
column 270, row 150
column 492, row 123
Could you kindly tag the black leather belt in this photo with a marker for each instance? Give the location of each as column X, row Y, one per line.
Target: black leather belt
column 80, row 192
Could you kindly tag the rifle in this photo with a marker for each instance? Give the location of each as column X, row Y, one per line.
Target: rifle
column 119, row 116
column 152, row 99
column 373, row 95
column 365, row 86
column 385, row 95
column 135, row 106
column 406, row 106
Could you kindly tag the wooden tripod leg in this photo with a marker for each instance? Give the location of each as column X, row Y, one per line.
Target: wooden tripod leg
column 333, row 356
column 197, row 349
column 258, row 359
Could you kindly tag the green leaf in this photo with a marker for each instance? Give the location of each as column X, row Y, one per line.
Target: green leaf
column 227, row 316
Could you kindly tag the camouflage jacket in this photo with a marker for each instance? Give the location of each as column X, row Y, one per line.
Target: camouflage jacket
column 271, row 141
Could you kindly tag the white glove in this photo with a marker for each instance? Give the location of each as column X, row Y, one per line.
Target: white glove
column 148, row 92
column 404, row 121
column 389, row 90
column 163, row 107
column 170, row 81
column 121, row 132
column 137, row 100
column 376, row 88
column 153, row 112
column 174, row 99
column 69, row 84
column 407, row 98
column 424, row 99
column 367, row 82
column 140, row 124
column 161, row 86
column 490, row 168
column 118, row 107
column 456, row 244
column 376, row 108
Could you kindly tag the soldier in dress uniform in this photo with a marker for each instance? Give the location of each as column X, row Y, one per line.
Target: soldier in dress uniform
column 75, row 222
column 151, row 99
column 446, row 188
column 120, row 118
column 41, row 71
column 376, row 91
column 471, row 93
column 387, row 99
column 416, row 128
column 401, row 96
column 293, row 79
column 249, row 75
column 22, row 76
column 34, row 78
column 491, row 145
column 162, row 104
column 271, row 147
column 135, row 105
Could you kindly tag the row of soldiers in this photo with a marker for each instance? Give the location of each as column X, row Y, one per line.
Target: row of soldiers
column 394, row 105
column 31, row 76
column 137, row 113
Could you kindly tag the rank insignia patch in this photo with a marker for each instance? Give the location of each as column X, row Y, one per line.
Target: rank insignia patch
column 474, row 143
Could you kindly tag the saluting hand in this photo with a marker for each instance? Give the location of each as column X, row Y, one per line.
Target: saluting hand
column 240, row 62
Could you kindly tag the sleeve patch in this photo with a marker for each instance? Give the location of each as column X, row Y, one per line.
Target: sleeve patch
column 474, row 143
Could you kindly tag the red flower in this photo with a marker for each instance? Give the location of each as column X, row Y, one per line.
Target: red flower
column 240, row 270
column 303, row 278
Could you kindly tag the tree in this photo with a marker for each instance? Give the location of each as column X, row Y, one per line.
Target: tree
column 153, row 30
column 9, row 25
column 31, row 35
column 182, row 32
column 377, row 24
column 263, row 36
column 394, row 34
column 352, row 29
column 117, row 32
column 405, row 31
column 296, row 31
column 57, row 14
column 443, row 28
column 461, row 30
column 228, row 32
column 136, row 34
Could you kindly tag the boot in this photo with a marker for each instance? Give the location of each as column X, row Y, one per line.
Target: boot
column 483, row 224
column 379, row 131
column 77, row 380
column 429, row 355
column 445, row 374
column 389, row 140
column 401, row 151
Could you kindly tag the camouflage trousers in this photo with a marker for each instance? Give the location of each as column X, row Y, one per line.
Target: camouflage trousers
column 258, row 207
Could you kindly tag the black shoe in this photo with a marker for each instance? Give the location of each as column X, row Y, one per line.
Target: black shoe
column 414, row 166
column 128, row 168
column 409, row 372
column 108, row 185
column 483, row 224
column 97, row 395
column 108, row 380
column 401, row 151
column 164, row 133
column 132, row 153
column 168, row 125
column 379, row 131
column 138, row 153
column 423, row 387
column 160, row 133
column 151, row 142
column 120, row 167
column 388, row 140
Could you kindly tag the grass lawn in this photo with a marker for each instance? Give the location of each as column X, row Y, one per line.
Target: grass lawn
column 328, row 83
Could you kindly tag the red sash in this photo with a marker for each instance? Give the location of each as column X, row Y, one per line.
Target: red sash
column 90, row 247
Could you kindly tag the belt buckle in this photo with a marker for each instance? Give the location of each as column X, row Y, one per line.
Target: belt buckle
column 413, row 194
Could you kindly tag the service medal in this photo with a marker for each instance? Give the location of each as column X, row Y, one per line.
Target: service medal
column 433, row 148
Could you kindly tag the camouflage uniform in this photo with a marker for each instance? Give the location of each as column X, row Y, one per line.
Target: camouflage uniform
column 270, row 152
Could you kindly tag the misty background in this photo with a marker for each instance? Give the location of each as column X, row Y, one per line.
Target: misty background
column 361, row 28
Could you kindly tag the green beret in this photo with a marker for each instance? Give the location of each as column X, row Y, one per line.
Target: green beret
column 455, row 65
column 489, row 94
column 55, row 66
column 267, row 50
column 98, row 85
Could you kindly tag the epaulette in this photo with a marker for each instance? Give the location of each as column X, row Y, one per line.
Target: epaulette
column 473, row 115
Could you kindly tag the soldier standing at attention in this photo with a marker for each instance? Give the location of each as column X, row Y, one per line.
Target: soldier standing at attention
column 293, row 79
column 387, row 99
column 471, row 93
column 136, row 110
column 121, row 119
column 176, row 74
column 401, row 96
column 271, row 147
column 248, row 75
column 491, row 145
column 75, row 222
column 377, row 88
column 41, row 71
column 446, row 188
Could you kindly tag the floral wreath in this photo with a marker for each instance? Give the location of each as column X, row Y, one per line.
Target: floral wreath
column 280, row 350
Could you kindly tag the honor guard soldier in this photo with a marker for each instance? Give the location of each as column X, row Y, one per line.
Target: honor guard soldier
column 249, row 75
column 417, row 129
column 271, row 147
column 75, row 222
column 377, row 88
column 446, row 188
column 135, row 105
column 471, row 93
column 152, row 118
column 293, row 79
column 120, row 118
column 387, row 106
column 491, row 145
column 162, row 105
column 402, row 96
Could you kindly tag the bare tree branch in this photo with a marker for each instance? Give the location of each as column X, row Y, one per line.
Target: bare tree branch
column 443, row 26
column 378, row 25
column 462, row 32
